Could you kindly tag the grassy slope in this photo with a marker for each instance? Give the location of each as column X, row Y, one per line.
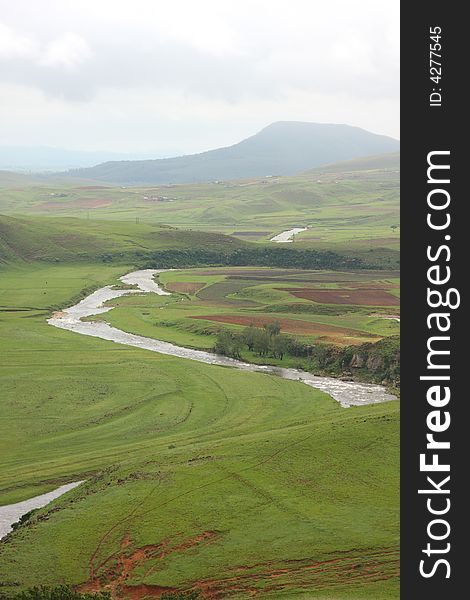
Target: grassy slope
column 71, row 239
column 211, row 469
column 352, row 209
column 216, row 479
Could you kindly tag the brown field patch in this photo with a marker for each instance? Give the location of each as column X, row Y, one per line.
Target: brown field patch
column 77, row 203
column 185, row 287
column 288, row 325
column 361, row 297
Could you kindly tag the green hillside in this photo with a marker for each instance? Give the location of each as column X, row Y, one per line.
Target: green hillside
column 352, row 208
column 76, row 240
column 198, row 477
column 49, row 239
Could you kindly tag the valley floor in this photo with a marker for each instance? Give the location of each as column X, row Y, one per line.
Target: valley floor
column 197, row 476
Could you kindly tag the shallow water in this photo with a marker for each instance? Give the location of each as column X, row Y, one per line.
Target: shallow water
column 11, row 513
column 286, row 236
column 347, row 393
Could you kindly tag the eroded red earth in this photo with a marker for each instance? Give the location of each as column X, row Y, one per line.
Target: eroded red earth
column 356, row 566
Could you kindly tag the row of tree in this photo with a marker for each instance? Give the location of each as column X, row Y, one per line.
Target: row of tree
column 260, row 256
column 264, row 341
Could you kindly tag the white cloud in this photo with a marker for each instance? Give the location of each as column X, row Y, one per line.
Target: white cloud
column 15, row 45
column 69, row 50
column 195, row 73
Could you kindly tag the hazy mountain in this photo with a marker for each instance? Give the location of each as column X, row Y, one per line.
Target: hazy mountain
column 282, row 148
column 45, row 158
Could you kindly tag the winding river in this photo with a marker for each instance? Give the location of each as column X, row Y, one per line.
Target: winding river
column 287, row 236
column 347, row 393
column 11, row 513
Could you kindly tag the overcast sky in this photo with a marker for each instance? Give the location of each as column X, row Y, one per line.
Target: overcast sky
column 171, row 76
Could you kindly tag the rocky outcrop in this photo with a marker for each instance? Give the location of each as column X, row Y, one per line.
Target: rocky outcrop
column 378, row 362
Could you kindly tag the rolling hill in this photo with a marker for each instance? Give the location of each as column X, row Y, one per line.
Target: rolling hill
column 197, row 477
column 282, row 148
column 71, row 241
column 349, row 207
column 57, row 240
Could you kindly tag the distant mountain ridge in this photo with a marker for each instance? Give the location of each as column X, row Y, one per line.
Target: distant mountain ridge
column 46, row 158
column 282, row 148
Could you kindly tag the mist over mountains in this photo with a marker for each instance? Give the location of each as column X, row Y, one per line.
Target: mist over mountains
column 282, row 148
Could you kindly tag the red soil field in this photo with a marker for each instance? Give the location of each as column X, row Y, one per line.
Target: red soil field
column 361, row 297
column 288, row 325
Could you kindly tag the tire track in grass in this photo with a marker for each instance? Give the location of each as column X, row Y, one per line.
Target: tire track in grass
column 133, row 515
column 113, row 528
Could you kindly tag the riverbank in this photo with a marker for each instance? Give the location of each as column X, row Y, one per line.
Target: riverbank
column 287, row 236
column 12, row 513
column 202, row 475
column 347, row 393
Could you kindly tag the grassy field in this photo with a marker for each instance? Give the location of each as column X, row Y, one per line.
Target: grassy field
column 206, row 300
column 59, row 240
column 197, row 476
column 200, row 477
column 352, row 208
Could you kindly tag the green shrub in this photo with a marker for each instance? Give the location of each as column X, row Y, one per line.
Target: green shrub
column 59, row 592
